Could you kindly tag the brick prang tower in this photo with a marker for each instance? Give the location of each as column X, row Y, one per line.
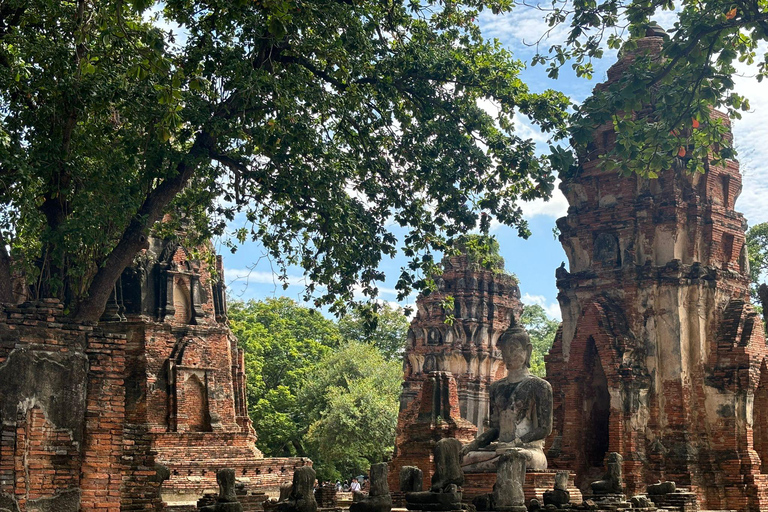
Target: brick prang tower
column 660, row 356
column 185, row 375
column 486, row 301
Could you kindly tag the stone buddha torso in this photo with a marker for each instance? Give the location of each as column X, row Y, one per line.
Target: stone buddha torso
column 518, row 411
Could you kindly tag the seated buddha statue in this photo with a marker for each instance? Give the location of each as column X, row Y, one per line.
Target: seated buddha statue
column 520, row 411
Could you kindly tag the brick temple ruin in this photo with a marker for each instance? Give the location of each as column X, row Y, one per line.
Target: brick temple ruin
column 660, row 357
column 452, row 364
column 137, row 413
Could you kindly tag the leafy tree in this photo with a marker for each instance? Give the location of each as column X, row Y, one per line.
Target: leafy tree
column 757, row 248
column 351, row 399
column 282, row 342
column 542, row 331
column 322, row 120
column 482, row 250
column 385, row 329
column 661, row 108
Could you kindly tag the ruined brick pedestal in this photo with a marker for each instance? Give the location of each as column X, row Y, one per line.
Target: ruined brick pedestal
column 186, row 377
column 683, row 500
column 536, row 483
column 660, row 357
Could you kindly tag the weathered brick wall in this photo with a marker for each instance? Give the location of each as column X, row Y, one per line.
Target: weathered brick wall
column 434, row 415
column 102, row 469
column 42, row 436
column 659, row 355
column 62, row 406
column 88, row 415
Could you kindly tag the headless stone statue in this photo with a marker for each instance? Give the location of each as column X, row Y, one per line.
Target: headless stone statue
column 378, row 499
column 521, row 411
column 227, row 501
column 410, row 479
column 558, row 496
column 508, row 495
column 611, row 483
column 510, row 476
column 444, row 494
column 301, row 497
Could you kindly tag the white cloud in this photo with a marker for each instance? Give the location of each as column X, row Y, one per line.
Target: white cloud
column 750, row 135
column 556, row 207
column 238, row 280
column 552, row 309
column 245, row 276
column 522, row 27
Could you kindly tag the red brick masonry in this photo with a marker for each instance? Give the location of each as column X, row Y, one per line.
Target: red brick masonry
column 660, row 356
column 89, row 413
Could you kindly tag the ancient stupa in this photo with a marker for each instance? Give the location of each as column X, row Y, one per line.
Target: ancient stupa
column 449, row 366
column 660, row 357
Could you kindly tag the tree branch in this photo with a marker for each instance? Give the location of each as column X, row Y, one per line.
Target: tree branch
column 309, row 66
column 695, row 39
column 135, row 235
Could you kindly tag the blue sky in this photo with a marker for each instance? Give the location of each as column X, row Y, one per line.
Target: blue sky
column 249, row 274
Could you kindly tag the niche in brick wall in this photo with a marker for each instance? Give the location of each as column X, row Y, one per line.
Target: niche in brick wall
column 189, row 394
column 182, row 300
column 607, row 250
column 196, row 403
column 597, row 407
column 727, row 249
column 760, row 419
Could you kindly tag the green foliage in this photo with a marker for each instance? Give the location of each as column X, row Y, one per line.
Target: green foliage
column 283, row 343
column 311, row 393
column 351, row 399
column 542, row 331
column 757, row 248
column 384, row 327
column 482, row 250
column 322, row 121
column 661, row 108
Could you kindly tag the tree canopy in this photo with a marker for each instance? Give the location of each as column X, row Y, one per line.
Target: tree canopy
column 352, row 399
column 311, row 392
column 282, row 342
column 324, row 122
column 385, row 329
column 321, row 120
column 661, row 107
column 541, row 330
column 757, row 248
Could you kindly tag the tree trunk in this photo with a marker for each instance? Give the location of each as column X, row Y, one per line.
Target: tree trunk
column 6, row 281
column 762, row 292
column 136, row 234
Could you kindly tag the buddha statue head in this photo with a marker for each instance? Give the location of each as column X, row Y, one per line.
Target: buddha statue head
column 516, row 348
